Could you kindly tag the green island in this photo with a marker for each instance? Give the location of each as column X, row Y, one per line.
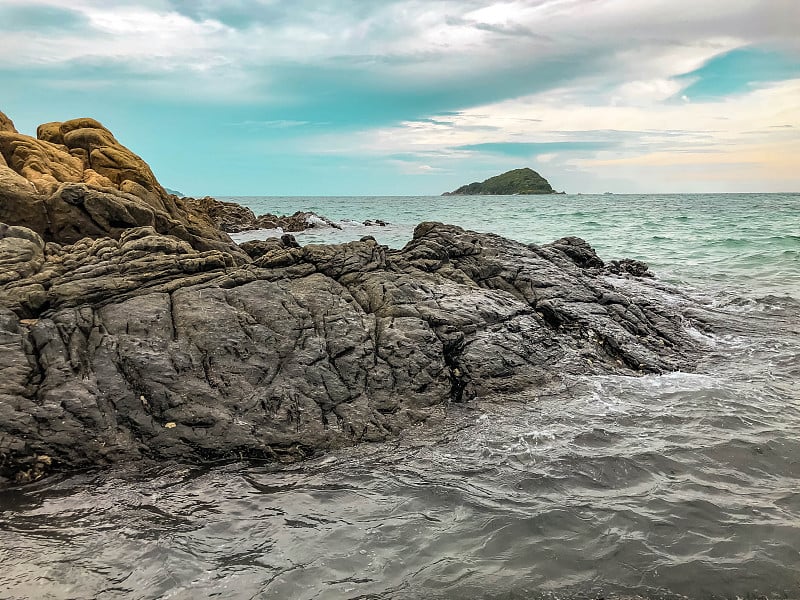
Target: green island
column 518, row 181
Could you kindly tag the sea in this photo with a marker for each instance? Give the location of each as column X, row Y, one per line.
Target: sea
column 683, row 485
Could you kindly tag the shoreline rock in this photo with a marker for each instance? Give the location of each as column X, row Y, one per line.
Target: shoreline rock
column 133, row 329
column 75, row 180
column 231, row 217
column 150, row 349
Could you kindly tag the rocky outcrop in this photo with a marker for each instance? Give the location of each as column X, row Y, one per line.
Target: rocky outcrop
column 133, row 329
column 227, row 216
column 258, row 248
column 299, row 221
column 145, row 347
column 6, row 124
column 75, row 180
column 234, row 218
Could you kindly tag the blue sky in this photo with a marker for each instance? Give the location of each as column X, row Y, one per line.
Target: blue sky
column 403, row 97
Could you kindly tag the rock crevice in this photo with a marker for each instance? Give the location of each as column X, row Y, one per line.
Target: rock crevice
column 145, row 347
column 133, row 329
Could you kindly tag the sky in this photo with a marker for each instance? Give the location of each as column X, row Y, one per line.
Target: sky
column 413, row 97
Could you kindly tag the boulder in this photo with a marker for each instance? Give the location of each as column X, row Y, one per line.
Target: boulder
column 144, row 348
column 227, row 216
column 76, row 180
column 6, row 124
column 299, row 221
column 44, row 164
column 233, row 218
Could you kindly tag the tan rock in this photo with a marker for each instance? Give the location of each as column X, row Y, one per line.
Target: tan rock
column 94, row 179
column 11, row 180
column 81, row 123
column 152, row 198
column 107, row 156
column 21, row 204
column 76, row 180
column 42, row 163
column 6, row 124
column 50, row 132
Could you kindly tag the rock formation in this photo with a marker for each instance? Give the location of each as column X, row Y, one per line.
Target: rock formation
column 519, row 181
column 75, row 180
column 144, row 347
column 131, row 329
column 234, row 218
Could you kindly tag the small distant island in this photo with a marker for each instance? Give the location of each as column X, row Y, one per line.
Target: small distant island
column 517, row 181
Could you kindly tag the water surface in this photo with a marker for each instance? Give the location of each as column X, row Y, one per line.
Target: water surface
column 681, row 485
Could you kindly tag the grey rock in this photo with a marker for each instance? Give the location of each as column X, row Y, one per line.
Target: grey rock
column 234, row 218
column 147, row 348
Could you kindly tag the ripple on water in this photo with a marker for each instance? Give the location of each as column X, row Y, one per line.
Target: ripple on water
column 660, row 486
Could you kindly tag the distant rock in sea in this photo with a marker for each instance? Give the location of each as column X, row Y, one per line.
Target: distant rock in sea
column 175, row 193
column 516, row 182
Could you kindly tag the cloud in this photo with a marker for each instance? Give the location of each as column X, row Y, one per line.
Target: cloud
column 394, row 60
column 736, row 72
column 453, row 82
column 748, row 130
column 528, row 149
column 414, row 168
column 33, row 18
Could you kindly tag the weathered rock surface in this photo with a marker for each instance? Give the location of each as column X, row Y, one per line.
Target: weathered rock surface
column 132, row 328
column 233, row 218
column 7, row 124
column 76, row 180
column 299, row 221
column 145, row 347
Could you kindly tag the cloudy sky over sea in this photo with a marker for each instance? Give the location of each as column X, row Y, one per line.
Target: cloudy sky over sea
column 352, row 97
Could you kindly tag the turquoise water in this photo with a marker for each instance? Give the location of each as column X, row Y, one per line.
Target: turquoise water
column 684, row 485
column 727, row 241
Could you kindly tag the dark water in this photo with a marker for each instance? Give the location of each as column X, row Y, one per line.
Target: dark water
column 682, row 485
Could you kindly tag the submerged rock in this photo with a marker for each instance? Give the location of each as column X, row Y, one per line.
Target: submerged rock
column 145, row 347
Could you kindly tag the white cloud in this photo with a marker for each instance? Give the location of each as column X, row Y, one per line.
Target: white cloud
column 414, row 168
column 747, row 131
column 446, row 29
column 607, row 67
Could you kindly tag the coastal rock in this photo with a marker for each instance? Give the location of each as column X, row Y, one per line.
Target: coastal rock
column 6, row 124
column 299, row 221
column 227, row 216
column 76, row 180
column 258, row 248
column 144, row 347
column 233, row 218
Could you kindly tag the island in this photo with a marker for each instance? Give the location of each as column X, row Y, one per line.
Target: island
column 516, row 182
